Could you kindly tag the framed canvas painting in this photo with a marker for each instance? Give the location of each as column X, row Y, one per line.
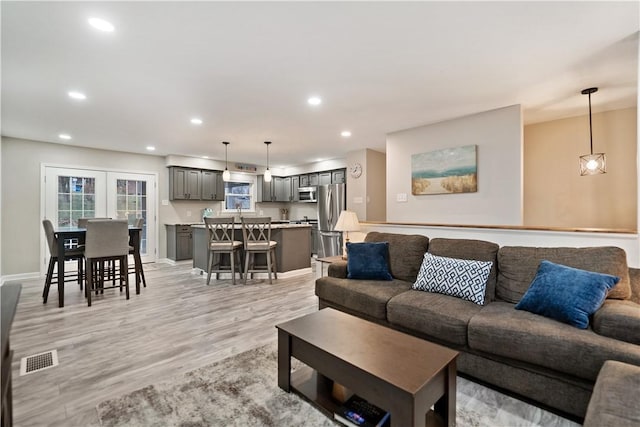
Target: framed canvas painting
column 451, row 170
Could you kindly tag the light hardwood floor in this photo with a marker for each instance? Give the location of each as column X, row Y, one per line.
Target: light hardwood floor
column 175, row 325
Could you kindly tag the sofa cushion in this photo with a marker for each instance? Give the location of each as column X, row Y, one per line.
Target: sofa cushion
column 439, row 316
column 478, row 250
column 619, row 320
column 567, row 294
column 501, row 330
column 460, row 278
column 517, row 266
column 364, row 296
column 368, row 261
column 405, row 253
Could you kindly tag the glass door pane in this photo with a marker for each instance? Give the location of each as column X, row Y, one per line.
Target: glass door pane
column 132, row 196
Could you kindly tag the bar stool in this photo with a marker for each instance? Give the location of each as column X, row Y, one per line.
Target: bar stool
column 257, row 239
column 221, row 242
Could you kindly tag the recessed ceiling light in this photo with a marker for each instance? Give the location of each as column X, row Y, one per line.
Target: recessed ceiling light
column 345, row 133
column 314, row 100
column 77, row 95
column 64, row 136
column 101, row 24
column 205, row 157
column 196, row 121
column 151, row 148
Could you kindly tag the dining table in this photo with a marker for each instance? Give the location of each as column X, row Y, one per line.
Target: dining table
column 65, row 235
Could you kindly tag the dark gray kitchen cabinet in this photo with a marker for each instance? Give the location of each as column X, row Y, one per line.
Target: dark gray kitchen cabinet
column 212, row 186
column 295, row 184
column 179, row 242
column 324, row 178
column 337, row 176
column 184, row 184
column 313, row 179
column 265, row 190
column 304, row 180
column 283, row 189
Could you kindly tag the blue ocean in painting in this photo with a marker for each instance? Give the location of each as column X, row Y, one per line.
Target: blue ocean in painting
column 469, row 170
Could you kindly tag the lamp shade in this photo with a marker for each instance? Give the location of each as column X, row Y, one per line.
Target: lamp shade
column 348, row 221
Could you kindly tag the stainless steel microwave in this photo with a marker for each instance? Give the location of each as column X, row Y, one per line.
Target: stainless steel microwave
column 308, row 194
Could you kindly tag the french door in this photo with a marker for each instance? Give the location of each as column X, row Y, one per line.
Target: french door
column 70, row 194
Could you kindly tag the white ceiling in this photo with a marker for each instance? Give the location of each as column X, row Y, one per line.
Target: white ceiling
column 247, row 69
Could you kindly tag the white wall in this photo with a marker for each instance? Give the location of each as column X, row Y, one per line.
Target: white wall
column 498, row 201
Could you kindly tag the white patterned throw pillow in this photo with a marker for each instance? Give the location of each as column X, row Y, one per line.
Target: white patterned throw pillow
column 462, row 278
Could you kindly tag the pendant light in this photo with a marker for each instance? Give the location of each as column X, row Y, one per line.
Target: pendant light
column 592, row 164
column 226, row 175
column 267, row 173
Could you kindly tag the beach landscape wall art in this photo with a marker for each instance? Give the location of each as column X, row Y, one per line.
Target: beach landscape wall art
column 450, row 170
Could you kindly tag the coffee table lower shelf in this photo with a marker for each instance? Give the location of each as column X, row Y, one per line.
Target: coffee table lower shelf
column 317, row 389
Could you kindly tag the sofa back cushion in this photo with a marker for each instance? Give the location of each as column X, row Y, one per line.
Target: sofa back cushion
column 517, row 266
column 405, row 253
column 477, row 250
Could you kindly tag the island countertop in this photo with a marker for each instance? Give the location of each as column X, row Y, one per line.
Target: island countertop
column 293, row 251
column 238, row 226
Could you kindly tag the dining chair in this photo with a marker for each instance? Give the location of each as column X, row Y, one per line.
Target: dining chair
column 221, row 242
column 82, row 223
column 69, row 254
column 256, row 233
column 139, row 223
column 106, row 240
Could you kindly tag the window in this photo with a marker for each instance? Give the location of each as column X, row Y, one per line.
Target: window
column 76, row 199
column 238, row 195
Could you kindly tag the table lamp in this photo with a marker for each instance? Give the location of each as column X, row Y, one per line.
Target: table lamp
column 348, row 221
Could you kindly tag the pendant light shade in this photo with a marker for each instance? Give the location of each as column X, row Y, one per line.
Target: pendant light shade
column 267, row 173
column 226, row 175
column 594, row 163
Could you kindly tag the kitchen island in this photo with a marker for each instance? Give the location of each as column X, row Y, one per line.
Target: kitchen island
column 292, row 252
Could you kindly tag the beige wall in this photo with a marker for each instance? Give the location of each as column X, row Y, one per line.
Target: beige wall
column 554, row 192
column 376, row 186
column 498, row 201
column 366, row 195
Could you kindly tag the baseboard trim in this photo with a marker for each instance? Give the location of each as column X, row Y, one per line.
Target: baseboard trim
column 16, row 277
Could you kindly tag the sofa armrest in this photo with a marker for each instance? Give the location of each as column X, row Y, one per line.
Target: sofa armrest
column 634, row 277
column 614, row 401
column 618, row 319
column 337, row 269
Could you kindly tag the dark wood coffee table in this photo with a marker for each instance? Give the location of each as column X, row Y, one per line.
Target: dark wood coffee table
column 403, row 374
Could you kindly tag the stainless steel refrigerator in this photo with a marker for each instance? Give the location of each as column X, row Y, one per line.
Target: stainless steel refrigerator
column 331, row 201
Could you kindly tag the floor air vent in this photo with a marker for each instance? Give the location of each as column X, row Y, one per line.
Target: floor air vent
column 38, row 362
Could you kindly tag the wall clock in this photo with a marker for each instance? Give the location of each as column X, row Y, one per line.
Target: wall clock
column 355, row 170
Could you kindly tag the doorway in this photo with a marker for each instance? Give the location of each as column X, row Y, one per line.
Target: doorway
column 72, row 193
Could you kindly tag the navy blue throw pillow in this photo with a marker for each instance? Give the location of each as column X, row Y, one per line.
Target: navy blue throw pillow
column 567, row 294
column 369, row 261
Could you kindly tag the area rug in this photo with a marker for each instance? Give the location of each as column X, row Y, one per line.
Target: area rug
column 242, row 390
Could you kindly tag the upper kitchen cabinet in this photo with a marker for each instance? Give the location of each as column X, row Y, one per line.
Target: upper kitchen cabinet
column 184, row 184
column 304, row 180
column 337, row 176
column 295, row 184
column 212, row 186
column 313, row 179
column 324, row 178
column 265, row 190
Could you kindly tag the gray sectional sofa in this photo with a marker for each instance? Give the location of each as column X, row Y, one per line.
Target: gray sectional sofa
column 538, row 358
